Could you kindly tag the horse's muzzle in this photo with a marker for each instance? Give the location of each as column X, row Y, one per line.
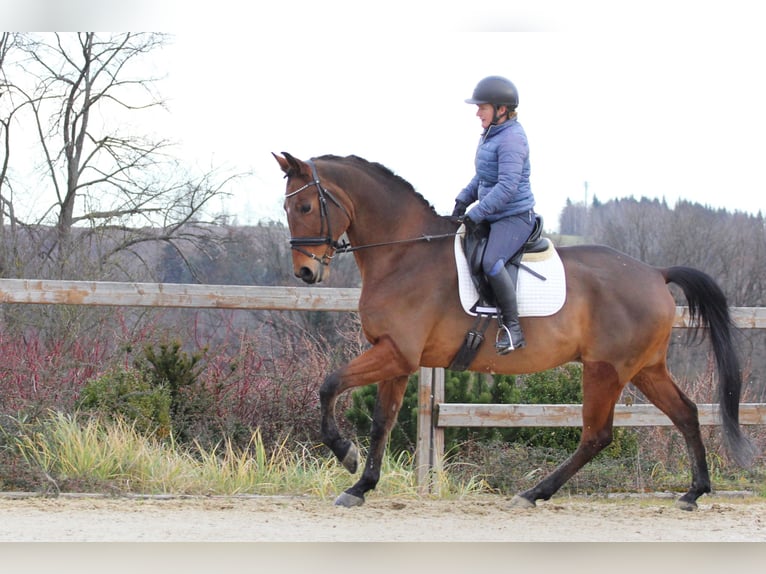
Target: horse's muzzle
column 309, row 275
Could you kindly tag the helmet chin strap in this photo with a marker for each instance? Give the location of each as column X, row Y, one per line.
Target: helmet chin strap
column 497, row 116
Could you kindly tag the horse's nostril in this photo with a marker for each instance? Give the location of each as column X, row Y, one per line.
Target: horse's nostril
column 307, row 275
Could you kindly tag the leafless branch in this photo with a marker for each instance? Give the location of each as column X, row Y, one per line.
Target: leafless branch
column 75, row 89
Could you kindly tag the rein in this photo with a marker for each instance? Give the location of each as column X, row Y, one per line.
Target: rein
column 346, row 247
column 297, row 243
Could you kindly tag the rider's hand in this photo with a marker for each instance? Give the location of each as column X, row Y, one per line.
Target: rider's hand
column 470, row 224
column 460, row 208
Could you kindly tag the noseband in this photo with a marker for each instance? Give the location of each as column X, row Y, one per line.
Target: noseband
column 325, row 238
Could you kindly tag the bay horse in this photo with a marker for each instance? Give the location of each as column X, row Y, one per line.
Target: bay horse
column 616, row 319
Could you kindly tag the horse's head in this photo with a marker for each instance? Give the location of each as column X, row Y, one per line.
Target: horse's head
column 315, row 216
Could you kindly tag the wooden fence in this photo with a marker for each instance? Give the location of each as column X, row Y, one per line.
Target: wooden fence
column 434, row 414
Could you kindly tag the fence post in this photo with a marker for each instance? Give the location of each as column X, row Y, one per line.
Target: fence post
column 437, row 433
column 429, row 450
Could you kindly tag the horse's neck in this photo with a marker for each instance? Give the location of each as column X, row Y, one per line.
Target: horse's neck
column 384, row 233
column 391, row 221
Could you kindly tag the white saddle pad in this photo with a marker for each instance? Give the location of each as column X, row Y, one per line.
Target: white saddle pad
column 537, row 297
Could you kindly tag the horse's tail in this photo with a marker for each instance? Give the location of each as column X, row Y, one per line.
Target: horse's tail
column 708, row 309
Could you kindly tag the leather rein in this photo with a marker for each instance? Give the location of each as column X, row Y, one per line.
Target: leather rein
column 298, row 243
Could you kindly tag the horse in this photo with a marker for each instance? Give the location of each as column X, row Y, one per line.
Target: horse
column 616, row 319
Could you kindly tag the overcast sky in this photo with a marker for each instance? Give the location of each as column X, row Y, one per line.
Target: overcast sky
column 654, row 108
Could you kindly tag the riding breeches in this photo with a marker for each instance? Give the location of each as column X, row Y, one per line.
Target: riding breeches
column 506, row 237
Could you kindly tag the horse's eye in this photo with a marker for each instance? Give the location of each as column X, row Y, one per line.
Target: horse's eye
column 305, row 208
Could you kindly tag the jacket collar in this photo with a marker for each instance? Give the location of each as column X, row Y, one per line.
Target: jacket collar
column 493, row 129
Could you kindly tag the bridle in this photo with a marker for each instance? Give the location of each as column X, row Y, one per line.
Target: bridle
column 325, row 238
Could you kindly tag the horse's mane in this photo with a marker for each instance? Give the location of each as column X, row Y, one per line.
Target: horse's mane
column 392, row 180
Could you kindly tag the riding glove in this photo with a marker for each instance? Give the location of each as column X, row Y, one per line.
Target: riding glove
column 460, row 208
column 470, row 224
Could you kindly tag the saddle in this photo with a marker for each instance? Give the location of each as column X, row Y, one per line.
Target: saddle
column 475, row 245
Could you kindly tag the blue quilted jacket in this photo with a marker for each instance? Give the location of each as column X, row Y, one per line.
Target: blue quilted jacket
column 501, row 183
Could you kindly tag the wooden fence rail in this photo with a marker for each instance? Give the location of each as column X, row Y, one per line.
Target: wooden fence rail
column 177, row 295
column 433, row 413
column 562, row 415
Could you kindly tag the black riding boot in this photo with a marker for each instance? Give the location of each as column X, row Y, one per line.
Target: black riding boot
column 509, row 336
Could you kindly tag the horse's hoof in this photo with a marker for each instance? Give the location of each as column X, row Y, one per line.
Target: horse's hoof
column 686, row 505
column 521, row 502
column 349, row 500
column 351, row 461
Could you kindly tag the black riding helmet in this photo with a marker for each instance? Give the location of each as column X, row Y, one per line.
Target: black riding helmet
column 495, row 90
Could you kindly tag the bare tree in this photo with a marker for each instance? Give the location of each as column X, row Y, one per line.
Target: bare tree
column 630, row 226
column 100, row 182
column 573, row 218
column 729, row 246
column 7, row 111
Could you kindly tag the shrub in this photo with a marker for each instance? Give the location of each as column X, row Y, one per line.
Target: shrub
column 191, row 404
column 160, row 394
column 38, row 373
column 129, row 394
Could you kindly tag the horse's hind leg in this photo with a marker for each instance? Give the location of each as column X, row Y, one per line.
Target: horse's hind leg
column 658, row 386
column 387, row 405
column 601, row 389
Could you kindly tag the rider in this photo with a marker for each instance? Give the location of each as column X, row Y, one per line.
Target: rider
column 505, row 200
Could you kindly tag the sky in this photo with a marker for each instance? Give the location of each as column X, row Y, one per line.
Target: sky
column 663, row 103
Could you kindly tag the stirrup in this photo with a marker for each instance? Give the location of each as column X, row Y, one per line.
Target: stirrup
column 504, row 349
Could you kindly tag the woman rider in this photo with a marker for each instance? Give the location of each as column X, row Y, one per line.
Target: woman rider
column 502, row 195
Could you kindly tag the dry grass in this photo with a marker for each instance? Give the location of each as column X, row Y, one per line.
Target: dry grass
column 111, row 456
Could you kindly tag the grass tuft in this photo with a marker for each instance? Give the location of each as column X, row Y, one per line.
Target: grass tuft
column 100, row 455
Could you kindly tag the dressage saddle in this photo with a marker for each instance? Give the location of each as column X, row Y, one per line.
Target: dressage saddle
column 475, row 244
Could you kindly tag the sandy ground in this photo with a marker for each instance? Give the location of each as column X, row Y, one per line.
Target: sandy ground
column 299, row 519
column 479, row 535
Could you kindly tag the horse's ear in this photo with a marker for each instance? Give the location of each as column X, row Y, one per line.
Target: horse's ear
column 282, row 162
column 291, row 165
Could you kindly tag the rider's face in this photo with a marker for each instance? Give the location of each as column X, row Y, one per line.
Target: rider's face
column 486, row 113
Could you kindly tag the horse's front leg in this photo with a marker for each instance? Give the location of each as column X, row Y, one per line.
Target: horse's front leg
column 342, row 448
column 387, row 405
column 382, row 362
